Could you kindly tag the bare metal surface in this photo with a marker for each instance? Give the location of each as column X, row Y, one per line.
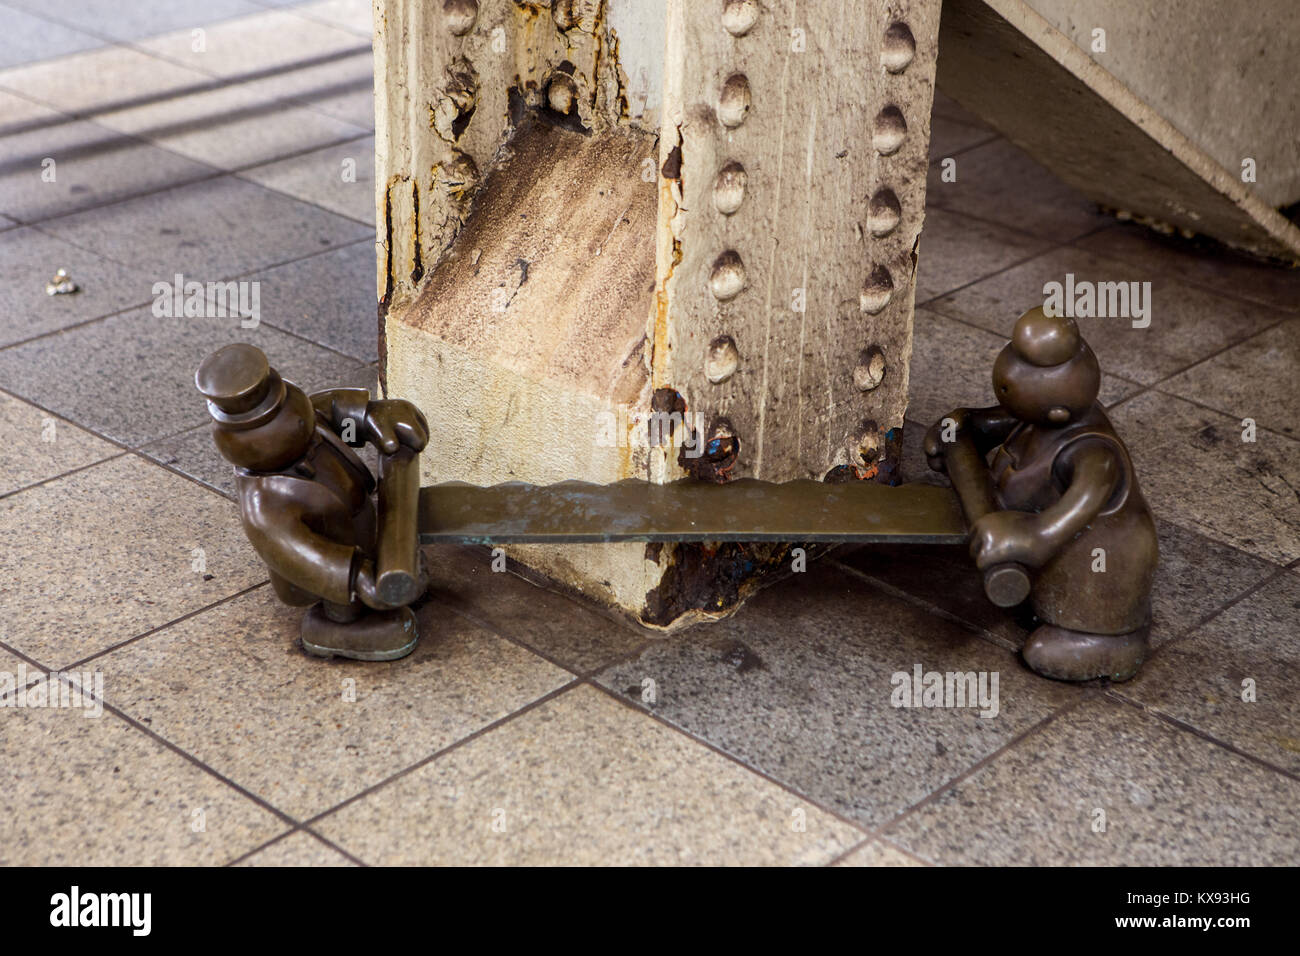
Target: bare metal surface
column 744, row 510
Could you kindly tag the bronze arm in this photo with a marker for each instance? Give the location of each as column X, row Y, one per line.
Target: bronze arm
column 274, row 522
column 1033, row 539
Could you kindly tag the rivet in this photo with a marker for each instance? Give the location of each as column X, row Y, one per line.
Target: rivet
column 883, row 213
column 729, row 188
column 733, row 102
column 899, row 48
column 870, row 370
column 460, row 15
column 722, row 360
column 888, row 131
column 876, row 291
column 564, row 15
column 561, row 93
column 727, row 278
column 867, row 444
column 739, row 16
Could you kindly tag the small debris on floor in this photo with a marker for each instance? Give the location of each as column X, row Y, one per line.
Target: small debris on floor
column 61, row 284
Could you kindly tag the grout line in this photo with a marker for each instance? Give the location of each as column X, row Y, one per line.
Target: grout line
column 986, row 761
column 921, row 603
column 496, row 632
column 1226, row 254
column 271, row 842
column 62, row 474
column 1046, row 250
column 186, row 755
column 732, row 758
column 310, row 202
column 217, row 173
column 299, row 828
column 1180, row 724
column 897, row 848
column 216, row 81
column 993, row 136
column 1187, row 633
column 228, row 81
column 334, row 846
column 454, row 745
column 162, row 627
column 258, row 270
column 865, row 841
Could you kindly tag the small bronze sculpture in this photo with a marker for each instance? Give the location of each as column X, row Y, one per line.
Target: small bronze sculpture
column 307, row 506
column 1066, row 500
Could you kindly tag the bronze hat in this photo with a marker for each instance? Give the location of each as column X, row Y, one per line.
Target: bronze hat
column 242, row 389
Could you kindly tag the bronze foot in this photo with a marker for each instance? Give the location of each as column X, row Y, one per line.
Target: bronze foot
column 1063, row 654
column 373, row 636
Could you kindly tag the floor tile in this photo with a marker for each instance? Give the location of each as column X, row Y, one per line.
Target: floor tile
column 948, row 137
column 1197, row 472
column 1202, row 680
column 956, row 250
column 915, row 467
column 1195, row 577
column 123, row 559
column 341, row 87
column 998, row 182
column 1253, row 379
column 233, row 687
column 338, row 178
column 111, row 77
column 95, row 791
column 328, row 298
column 211, row 230
column 556, row 626
column 1215, row 269
column 49, row 446
column 139, row 18
column 354, row 15
column 1168, row 797
column 878, row 853
column 28, row 260
column 55, row 165
column 137, row 371
column 193, row 453
column 231, row 127
column 952, row 366
column 799, row 684
column 12, row 668
column 267, row 40
column 298, row 849
column 1186, row 324
column 29, row 38
column 582, row 779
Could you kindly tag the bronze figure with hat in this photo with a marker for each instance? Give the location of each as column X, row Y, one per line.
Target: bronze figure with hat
column 308, row 505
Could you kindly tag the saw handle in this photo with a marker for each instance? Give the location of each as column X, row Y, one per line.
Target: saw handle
column 397, row 552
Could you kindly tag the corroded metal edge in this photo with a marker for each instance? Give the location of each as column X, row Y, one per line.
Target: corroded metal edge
column 580, row 512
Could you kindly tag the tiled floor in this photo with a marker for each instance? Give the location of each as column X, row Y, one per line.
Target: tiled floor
column 529, row 728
